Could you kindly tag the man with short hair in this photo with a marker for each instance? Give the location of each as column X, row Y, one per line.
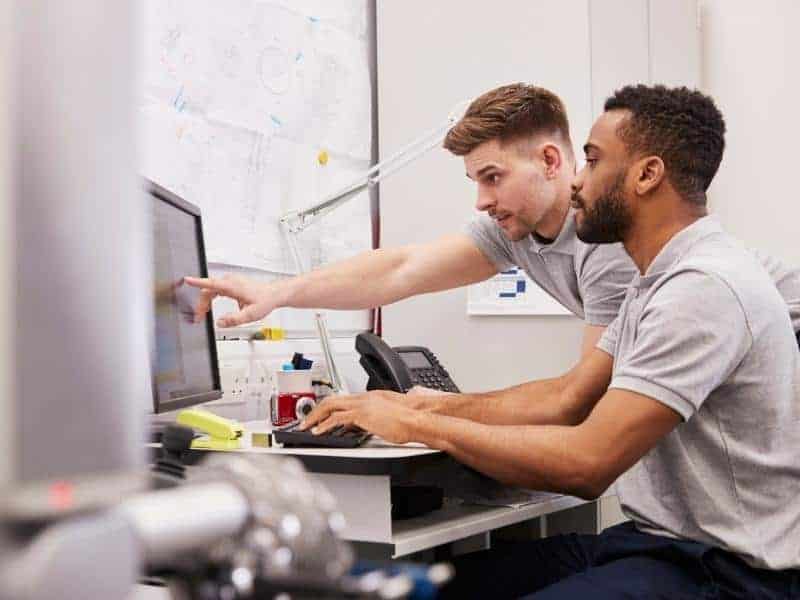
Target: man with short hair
column 516, row 146
column 691, row 400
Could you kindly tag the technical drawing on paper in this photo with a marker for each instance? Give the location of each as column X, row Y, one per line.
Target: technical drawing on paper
column 238, row 102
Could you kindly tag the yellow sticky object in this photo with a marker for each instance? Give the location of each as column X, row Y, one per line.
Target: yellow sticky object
column 211, row 443
column 270, row 333
column 322, row 158
column 223, row 434
column 261, row 440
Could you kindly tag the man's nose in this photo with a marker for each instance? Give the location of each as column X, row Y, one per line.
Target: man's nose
column 485, row 201
column 577, row 181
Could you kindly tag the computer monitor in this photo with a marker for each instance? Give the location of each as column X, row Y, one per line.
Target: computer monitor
column 185, row 370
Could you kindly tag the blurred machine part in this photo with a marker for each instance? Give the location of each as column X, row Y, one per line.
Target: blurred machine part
column 75, row 305
column 240, row 527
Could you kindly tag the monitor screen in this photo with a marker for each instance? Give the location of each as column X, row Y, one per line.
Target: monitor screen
column 185, row 369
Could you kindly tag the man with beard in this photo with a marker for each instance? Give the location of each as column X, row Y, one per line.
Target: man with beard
column 691, row 400
column 516, row 146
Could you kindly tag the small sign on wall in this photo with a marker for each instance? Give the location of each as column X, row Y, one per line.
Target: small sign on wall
column 511, row 292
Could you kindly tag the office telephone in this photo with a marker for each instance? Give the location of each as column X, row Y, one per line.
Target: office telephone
column 401, row 368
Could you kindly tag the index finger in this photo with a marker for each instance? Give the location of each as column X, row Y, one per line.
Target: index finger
column 323, row 410
column 203, row 305
column 220, row 286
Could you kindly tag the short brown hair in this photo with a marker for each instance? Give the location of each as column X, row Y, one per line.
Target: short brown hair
column 509, row 113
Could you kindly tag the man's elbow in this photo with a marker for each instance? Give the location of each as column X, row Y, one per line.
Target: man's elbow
column 590, row 480
column 590, row 490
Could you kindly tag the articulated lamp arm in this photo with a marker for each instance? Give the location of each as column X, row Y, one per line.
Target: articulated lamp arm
column 294, row 222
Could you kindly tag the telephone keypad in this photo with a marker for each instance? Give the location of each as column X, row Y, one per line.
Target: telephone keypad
column 435, row 378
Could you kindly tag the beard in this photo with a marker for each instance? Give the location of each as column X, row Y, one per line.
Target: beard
column 609, row 220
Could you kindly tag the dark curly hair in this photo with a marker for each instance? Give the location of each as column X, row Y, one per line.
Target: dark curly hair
column 682, row 126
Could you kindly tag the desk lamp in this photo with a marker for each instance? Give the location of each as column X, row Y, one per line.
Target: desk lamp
column 294, row 222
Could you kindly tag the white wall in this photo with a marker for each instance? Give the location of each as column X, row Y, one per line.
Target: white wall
column 750, row 52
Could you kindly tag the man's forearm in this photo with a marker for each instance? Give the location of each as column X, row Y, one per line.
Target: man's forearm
column 384, row 276
column 565, row 400
column 364, row 281
column 534, row 403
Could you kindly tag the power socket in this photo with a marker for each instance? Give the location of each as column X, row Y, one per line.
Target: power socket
column 259, row 389
column 234, row 377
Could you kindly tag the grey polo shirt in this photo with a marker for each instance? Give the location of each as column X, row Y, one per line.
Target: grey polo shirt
column 588, row 279
column 787, row 280
column 706, row 333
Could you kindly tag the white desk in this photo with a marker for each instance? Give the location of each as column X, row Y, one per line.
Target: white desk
column 361, row 480
column 456, row 521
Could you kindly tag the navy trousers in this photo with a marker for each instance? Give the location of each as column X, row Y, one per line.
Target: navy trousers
column 621, row 562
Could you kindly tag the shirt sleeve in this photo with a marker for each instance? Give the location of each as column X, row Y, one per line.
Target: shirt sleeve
column 604, row 275
column 608, row 341
column 787, row 280
column 491, row 241
column 689, row 338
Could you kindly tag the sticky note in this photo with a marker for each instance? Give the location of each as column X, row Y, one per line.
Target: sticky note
column 261, row 440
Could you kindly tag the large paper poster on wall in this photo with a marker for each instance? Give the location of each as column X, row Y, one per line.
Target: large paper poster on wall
column 255, row 108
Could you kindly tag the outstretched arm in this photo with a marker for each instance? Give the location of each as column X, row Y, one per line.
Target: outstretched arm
column 368, row 280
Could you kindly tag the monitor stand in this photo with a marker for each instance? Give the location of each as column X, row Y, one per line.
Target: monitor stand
column 156, row 423
column 155, row 431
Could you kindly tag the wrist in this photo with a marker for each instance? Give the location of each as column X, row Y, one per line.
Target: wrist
column 422, row 428
column 284, row 292
column 430, row 403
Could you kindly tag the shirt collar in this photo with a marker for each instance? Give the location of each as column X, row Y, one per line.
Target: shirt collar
column 564, row 240
column 676, row 247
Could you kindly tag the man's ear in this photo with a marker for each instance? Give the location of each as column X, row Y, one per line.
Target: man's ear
column 651, row 173
column 553, row 160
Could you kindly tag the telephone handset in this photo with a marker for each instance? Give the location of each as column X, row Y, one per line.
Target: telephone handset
column 399, row 369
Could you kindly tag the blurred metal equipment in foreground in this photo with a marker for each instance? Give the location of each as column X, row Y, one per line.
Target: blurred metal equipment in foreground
column 240, row 527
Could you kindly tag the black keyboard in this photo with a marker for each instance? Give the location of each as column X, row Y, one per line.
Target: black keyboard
column 338, row 437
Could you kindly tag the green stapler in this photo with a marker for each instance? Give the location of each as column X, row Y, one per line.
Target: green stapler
column 222, row 434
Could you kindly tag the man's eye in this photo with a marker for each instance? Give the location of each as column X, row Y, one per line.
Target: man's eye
column 591, row 162
column 493, row 178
